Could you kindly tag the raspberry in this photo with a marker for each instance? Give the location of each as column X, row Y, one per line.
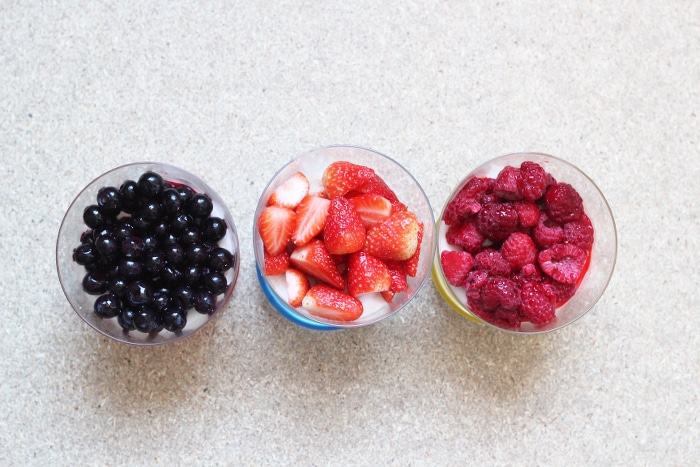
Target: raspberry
column 528, row 213
column 467, row 201
column 533, row 181
column 537, row 303
column 456, row 265
column 497, row 220
column 492, row 261
column 506, row 185
column 563, row 203
column 579, row 232
column 519, row 250
column 500, row 291
column 466, row 235
column 563, row 262
column 476, row 279
column 562, row 292
column 547, row 233
column 507, row 318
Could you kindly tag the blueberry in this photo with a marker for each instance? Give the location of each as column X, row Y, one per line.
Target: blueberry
column 172, row 202
column 204, row 302
column 220, row 259
column 150, row 243
column 215, row 282
column 107, row 246
column 180, row 222
column 107, row 306
column 94, row 217
column 186, row 193
column 86, row 253
column 174, row 254
column 124, row 229
column 200, row 205
column 139, row 293
column 126, row 319
column 117, row 285
column 151, row 211
column 95, row 282
column 161, row 299
column 191, row 275
column 214, row 229
column 130, row 268
column 141, row 224
column 150, row 185
column 182, row 296
column 190, row 235
column 154, row 262
column 129, row 195
column 109, row 199
column 161, row 228
column 171, row 275
column 196, row 253
column 174, row 319
column 146, row 320
column 132, row 247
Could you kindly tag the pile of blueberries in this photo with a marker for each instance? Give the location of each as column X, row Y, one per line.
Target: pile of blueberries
column 151, row 254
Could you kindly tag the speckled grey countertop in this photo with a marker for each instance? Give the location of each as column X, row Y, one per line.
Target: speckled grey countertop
column 231, row 91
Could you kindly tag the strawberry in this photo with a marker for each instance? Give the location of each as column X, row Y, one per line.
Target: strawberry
column 340, row 177
column 290, row 193
column 396, row 238
column 275, row 265
column 343, row 232
column 372, row 208
column 367, row 274
column 397, row 270
column 276, row 225
column 297, row 286
column 329, row 303
column 315, row 260
column 376, row 186
column 388, row 295
column 311, row 217
column 412, row 262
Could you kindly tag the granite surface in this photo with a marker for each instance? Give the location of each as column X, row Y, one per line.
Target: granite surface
column 233, row 90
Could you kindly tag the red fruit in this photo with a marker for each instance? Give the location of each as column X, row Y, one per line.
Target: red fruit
column 297, row 286
column 528, row 213
column 467, row 201
column 396, row 238
column 476, row 279
column 372, row 208
column 579, row 232
column 533, row 181
column 497, row 220
column 466, row 235
column 315, row 260
column 388, row 295
column 311, row 218
column 290, row 193
column 412, row 262
column 375, row 186
column 367, row 274
column 547, row 232
column 519, row 249
column 537, row 303
column 344, row 232
column 505, row 318
column 500, row 291
column 456, row 265
column 332, row 304
column 397, row 206
column 342, row 176
column 506, row 184
column 563, row 203
column 397, row 270
column 275, row 265
column 562, row 292
column 275, row 226
column 492, row 261
column 563, row 262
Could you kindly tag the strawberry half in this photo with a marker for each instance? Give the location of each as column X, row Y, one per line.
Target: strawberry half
column 275, row 265
column 275, row 226
column 376, row 186
column 311, row 217
column 297, row 286
column 367, row 274
column 396, row 238
column 372, row 209
column 340, row 177
column 412, row 262
column 332, row 304
column 344, row 232
column 290, row 193
column 315, row 260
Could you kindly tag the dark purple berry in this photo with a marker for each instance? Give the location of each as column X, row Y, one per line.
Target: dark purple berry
column 190, row 235
column 204, row 302
column 141, row 224
column 107, row 306
column 86, row 253
column 171, row 201
column 129, row 194
column 151, row 211
column 161, row 299
column 174, row 254
column 180, row 222
column 126, row 319
column 214, row 229
column 200, row 205
column 146, row 320
column 154, row 262
column 174, row 319
column 182, row 296
column 107, row 246
column 215, row 282
column 150, row 185
column 220, row 259
column 94, row 217
column 109, row 199
column 139, row 293
column 196, row 253
column 171, row 276
column 117, row 285
column 186, row 193
column 192, row 274
column 124, row 229
column 95, row 282
column 130, row 269
column 132, row 247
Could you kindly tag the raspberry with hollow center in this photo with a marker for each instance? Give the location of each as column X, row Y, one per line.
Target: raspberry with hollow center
column 547, row 233
column 563, row 262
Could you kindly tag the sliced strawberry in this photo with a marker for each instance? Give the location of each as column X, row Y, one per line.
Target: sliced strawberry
column 340, row 177
column 412, row 262
column 297, row 286
column 397, row 270
column 332, row 304
column 563, row 262
column 290, row 193
column 397, row 206
column 395, row 238
column 372, row 208
column 315, row 260
column 367, row 274
column 343, row 232
column 311, row 217
column 275, row 265
column 376, row 186
column 276, row 225
column 388, row 295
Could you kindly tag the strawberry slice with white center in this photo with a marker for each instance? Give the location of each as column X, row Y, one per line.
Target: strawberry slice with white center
column 342, row 176
column 396, row 238
column 297, row 286
column 290, row 193
column 372, row 208
column 276, row 225
column 344, row 232
column 311, row 217
column 563, row 262
column 367, row 274
column 412, row 262
column 332, row 304
column 315, row 260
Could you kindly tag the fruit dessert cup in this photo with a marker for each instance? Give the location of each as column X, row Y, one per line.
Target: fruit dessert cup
column 526, row 243
column 147, row 254
column 343, row 237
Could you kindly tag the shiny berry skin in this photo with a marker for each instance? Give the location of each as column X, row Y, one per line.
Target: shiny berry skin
column 174, row 319
column 191, row 275
column 150, row 185
column 174, row 254
column 161, row 299
column 146, row 320
column 154, row 262
column 95, row 282
column 109, row 200
column 180, row 222
column 126, row 319
column 171, row 201
column 130, row 268
column 186, row 193
column 220, row 259
column 129, row 194
column 204, row 302
column 94, row 217
column 182, row 296
column 200, row 205
column 151, row 211
column 132, row 247
column 107, row 306
column 196, row 253
column 139, row 293
column 215, row 282
column 117, row 285
column 124, row 229
column 214, row 229
column 86, row 253
column 190, row 235
column 171, row 275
